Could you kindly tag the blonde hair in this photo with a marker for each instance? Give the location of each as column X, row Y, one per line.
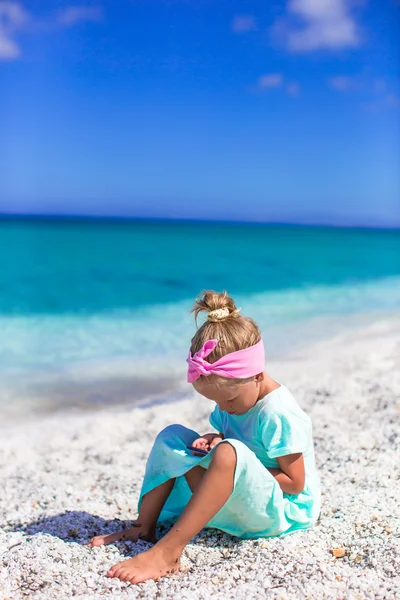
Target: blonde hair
column 233, row 331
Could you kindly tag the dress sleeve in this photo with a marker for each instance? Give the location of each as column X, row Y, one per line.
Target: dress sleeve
column 215, row 419
column 284, row 434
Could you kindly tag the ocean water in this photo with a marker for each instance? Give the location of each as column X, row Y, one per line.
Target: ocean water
column 93, row 311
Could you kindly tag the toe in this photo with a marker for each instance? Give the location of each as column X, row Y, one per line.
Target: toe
column 137, row 577
column 96, row 541
column 118, row 571
column 113, row 570
column 123, row 575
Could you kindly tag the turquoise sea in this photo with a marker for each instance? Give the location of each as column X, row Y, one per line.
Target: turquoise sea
column 95, row 311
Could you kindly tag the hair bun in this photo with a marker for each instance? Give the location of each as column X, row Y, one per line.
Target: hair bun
column 219, row 314
column 218, row 306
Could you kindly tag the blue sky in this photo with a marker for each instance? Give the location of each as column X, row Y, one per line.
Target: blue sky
column 274, row 111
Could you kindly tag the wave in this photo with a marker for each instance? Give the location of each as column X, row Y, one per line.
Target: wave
column 155, row 339
column 50, row 363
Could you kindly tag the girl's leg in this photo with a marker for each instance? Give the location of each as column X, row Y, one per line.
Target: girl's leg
column 194, row 477
column 153, row 502
column 208, row 498
column 150, row 509
column 145, row 524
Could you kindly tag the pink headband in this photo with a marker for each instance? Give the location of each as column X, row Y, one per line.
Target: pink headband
column 236, row 365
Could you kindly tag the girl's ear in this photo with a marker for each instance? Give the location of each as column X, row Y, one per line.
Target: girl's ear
column 259, row 378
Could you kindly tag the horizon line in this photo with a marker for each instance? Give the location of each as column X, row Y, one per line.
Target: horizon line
column 8, row 216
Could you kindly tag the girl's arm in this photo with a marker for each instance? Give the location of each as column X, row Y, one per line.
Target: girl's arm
column 291, row 473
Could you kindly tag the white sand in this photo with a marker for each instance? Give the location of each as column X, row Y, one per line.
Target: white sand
column 70, row 477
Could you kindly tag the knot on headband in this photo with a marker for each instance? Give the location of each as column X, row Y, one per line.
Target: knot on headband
column 236, row 365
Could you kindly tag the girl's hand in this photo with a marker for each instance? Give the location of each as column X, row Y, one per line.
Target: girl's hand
column 208, row 441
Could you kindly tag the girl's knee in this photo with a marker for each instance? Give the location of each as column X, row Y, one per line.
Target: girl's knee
column 224, row 455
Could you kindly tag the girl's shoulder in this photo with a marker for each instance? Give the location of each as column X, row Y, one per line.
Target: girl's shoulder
column 281, row 404
column 283, row 426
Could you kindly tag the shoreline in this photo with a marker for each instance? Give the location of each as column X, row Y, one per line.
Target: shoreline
column 74, row 397
column 72, row 477
column 102, row 386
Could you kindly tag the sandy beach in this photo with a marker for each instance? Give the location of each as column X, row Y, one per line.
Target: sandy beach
column 68, row 477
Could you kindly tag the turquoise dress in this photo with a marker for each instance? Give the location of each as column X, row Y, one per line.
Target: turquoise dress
column 275, row 426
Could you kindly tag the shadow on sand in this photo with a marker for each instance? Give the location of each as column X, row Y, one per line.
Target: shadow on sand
column 79, row 527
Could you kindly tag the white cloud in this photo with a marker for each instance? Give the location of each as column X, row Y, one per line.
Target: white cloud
column 78, row 14
column 243, row 23
column 377, row 95
column 8, row 48
column 293, row 88
column 272, row 80
column 342, row 83
column 318, row 24
column 390, row 100
column 12, row 19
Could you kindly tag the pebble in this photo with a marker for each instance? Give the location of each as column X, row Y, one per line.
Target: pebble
column 78, row 476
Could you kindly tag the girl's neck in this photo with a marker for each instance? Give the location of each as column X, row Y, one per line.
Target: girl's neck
column 267, row 386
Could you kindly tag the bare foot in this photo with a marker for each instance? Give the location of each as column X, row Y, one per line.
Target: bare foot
column 153, row 564
column 132, row 534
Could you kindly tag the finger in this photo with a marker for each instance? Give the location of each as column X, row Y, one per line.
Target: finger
column 215, row 442
column 200, row 442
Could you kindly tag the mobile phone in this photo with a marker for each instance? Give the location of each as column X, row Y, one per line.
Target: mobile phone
column 197, row 450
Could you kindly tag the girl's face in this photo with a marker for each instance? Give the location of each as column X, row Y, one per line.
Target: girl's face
column 235, row 398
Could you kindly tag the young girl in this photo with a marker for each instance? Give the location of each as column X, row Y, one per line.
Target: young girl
column 258, row 478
